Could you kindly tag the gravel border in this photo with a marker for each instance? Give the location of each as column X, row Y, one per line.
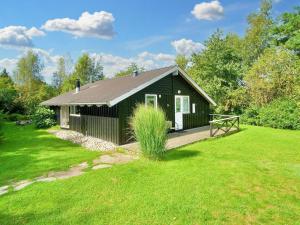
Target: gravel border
column 91, row 143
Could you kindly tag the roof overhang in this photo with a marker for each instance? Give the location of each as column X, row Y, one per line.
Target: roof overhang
column 175, row 71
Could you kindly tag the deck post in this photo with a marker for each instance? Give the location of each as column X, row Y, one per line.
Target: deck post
column 211, row 128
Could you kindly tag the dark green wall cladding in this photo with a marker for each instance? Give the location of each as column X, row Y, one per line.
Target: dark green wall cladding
column 113, row 123
column 106, row 128
column 167, row 87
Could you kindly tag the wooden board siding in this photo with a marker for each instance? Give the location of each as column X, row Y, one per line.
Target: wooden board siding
column 201, row 117
column 105, row 128
column 75, row 123
column 167, row 87
column 113, row 123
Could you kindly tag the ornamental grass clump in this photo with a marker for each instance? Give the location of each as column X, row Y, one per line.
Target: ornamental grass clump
column 150, row 130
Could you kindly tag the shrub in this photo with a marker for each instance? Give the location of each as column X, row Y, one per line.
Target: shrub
column 250, row 116
column 43, row 117
column 150, row 130
column 15, row 117
column 281, row 113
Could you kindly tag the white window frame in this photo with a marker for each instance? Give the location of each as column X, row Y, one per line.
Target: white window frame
column 151, row 95
column 74, row 110
column 189, row 106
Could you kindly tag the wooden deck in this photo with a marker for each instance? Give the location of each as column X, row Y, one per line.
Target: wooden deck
column 181, row 138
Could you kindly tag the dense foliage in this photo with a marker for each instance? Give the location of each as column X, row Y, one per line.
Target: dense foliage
column 150, row 130
column 281, row 113
column 245, row 74
column 43, row 117
column 129, row 71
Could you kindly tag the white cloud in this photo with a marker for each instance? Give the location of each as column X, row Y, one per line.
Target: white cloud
column 208, row 10
column 113, row 64
column 8, row 64
column 48, row 59
column 18, row 36
column 98, row 24
column 32, row 32
column 187, row 47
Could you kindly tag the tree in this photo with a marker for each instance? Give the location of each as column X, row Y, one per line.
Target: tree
column 5, row 80
column 130, row 69
column 218, row 68
column 29, row 82
column 287, row 30
column 258, row 35
column 28, row 70
column 60, row 75
column 88, row 69
column 8, row 92
column 181, row 61
column 274, row 75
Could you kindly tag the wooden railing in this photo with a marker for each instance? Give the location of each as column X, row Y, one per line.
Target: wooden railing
column 223, row 124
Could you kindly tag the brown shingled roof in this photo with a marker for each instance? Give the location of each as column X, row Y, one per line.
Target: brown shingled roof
column 111, row 91
column 106, row 91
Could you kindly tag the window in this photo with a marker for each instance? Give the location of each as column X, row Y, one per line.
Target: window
column 185, row 104
column 178, row 104
column 74, row 110
column 193, row 108
column 151, row 100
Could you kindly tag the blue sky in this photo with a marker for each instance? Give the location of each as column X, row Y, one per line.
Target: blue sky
column 150, row 33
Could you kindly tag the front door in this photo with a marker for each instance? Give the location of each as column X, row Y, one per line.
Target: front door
column 178, row 113
column 64, row 116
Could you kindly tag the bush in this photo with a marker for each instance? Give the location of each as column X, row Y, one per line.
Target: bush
column 281, row 113
column 150, row 130
column 15, row 117
column 43, row 117
column 250, row 116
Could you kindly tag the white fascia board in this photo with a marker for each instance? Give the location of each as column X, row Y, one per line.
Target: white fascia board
column 196, row 86
column 135, row 90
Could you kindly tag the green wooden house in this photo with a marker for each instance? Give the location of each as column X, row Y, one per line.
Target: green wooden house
column 103, row 109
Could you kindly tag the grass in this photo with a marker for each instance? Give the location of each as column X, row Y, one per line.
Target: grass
column 251, row 177
column 28, row 153
column 150, row 129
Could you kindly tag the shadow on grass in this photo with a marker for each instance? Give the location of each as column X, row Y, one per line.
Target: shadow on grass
column 181, row 154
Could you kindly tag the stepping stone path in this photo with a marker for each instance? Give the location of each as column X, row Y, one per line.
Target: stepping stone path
column 4, row 189
column 115, row 158
column 104, row 161
column 101, row 166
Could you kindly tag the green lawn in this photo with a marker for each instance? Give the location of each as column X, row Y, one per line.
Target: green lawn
column 252, row 177
column 27, row 153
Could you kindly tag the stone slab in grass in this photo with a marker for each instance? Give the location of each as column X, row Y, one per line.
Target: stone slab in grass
column 115, row 158
column 72, row 172
column 22, row 184
column 101, row 166
column 4, row 189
